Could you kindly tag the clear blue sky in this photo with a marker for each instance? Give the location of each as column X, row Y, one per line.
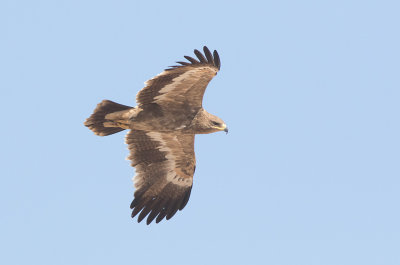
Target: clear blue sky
column 308, row 174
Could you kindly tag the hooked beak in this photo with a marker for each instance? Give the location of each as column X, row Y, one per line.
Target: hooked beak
column 222, row 128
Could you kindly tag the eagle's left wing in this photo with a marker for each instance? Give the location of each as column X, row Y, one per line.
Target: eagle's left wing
column 181, row 86
column 165, row 164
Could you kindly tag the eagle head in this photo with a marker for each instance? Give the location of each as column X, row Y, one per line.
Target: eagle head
column 205, row 122
column 217, row 124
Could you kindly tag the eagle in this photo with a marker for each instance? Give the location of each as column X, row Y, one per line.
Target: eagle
column 162, row 128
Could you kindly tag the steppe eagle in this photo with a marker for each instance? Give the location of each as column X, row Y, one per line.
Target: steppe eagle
column 162, row 127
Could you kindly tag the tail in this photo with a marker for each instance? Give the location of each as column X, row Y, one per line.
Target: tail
column 96, row 121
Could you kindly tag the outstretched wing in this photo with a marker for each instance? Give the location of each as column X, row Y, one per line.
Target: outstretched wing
column 165, row 164
column 181, row 85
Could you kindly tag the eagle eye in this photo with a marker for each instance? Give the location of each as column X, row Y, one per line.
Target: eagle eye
column 215, row 123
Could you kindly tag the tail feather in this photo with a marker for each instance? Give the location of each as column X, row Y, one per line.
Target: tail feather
column 96, row 121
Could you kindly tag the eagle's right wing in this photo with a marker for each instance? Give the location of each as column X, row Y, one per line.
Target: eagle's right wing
column 165, row 164
column 181, row 86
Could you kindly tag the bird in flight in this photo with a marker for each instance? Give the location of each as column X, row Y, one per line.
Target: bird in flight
column 168, row 115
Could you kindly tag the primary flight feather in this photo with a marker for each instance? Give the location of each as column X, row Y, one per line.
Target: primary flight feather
column 162, row 127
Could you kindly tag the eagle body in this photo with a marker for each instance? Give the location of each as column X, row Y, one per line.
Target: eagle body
column 162, row 126
column 153, row 119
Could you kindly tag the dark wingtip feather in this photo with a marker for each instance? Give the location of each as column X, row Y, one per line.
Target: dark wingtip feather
column 185, row 199
column 192, row 60
column 161, row 216
column 200, row 56
column 173, row 208
column 183, row 63
column 156, row 210
column 137, row 209
column 217, row 61
column 134, row 203
column 144, row 213
column 208, row 55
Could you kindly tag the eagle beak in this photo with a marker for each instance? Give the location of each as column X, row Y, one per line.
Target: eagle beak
column 226, row 130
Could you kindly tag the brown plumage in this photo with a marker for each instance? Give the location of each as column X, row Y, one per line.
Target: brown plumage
column 161, row 137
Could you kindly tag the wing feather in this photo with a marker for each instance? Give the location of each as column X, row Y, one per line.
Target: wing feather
column 208, row 55
column 154, row 212
column 200, row 56
column 165, row 164
column 191, row 59
column 162, row 214
column 217, row 61
column 183, row 63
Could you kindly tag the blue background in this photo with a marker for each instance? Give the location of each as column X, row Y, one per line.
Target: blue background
column 308, row 174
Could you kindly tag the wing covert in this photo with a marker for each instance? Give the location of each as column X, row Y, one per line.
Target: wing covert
column 181, row 85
